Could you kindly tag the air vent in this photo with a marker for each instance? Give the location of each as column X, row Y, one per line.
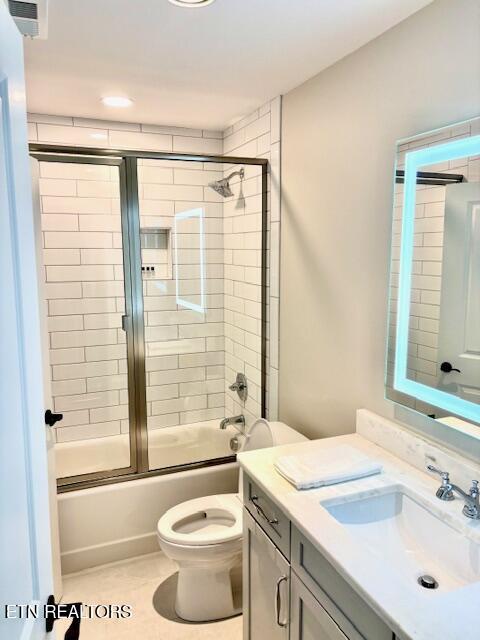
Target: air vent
column 23, row 9
column 30, row 17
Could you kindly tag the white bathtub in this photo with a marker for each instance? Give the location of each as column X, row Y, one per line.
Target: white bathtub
column 167, row 447
column 118, row 521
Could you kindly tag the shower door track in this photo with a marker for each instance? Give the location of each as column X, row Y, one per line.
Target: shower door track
column 126, row 160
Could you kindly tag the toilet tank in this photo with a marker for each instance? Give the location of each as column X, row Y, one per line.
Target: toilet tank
column 262, row 434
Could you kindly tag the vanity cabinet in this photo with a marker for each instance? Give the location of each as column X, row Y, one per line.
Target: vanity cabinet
column 266, row 579
column 309, row 620
column 290, row 590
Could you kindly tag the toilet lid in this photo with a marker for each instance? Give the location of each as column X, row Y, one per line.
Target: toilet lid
column 203, row 521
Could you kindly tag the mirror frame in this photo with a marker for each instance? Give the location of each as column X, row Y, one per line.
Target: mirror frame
column 414, row 160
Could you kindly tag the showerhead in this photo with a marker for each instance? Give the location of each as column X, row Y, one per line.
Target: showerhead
column 223, row 186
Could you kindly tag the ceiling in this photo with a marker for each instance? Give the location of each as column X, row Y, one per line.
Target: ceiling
column 201, row 68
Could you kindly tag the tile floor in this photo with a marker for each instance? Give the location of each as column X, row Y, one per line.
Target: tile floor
column 147, row 583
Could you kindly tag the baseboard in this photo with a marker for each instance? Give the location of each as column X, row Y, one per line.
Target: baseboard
column 79, row 559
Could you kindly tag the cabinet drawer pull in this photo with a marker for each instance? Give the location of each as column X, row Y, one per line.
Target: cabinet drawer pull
column 261, row 512
column 278, row 602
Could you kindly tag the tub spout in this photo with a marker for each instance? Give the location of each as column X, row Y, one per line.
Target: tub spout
column 237, row 421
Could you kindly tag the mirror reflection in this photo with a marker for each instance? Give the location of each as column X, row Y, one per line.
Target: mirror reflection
column 435, row 276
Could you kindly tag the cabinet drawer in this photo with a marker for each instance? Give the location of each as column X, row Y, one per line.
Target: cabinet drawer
column 275, row 524
column 341, row 602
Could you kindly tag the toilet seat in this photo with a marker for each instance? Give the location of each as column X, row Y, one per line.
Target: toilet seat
column 209, row 520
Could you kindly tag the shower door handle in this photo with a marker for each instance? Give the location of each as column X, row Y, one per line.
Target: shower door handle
column 125, row 323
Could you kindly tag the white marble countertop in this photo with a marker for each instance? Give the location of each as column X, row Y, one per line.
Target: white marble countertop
column 412, row 613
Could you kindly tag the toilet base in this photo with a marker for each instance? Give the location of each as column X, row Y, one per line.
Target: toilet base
column 210, row 564
column 209, row 593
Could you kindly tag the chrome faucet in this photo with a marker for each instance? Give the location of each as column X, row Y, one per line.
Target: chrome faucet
column 444, row 491
column 447, row 489
column 235, row 422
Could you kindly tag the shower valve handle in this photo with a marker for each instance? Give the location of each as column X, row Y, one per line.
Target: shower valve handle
column 237, row 386
column 240, row 386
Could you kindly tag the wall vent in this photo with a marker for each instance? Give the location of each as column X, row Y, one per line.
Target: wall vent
column 30, row 16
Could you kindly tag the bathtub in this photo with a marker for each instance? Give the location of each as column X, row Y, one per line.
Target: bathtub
column 117, row 521
column 167, row 447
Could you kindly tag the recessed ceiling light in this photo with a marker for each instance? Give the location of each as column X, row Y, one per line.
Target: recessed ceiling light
column 117, row 101
column 191, row 4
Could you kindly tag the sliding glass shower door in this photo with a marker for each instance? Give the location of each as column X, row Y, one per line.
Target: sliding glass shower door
column 154, row 273
column 84, row 275
column 181, row 230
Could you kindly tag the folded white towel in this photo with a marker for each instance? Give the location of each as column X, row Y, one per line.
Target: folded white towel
column 328, row 466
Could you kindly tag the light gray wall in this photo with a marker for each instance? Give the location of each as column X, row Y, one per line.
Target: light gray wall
column 339, row 135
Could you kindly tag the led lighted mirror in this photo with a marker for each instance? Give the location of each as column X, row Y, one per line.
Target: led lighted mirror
column 433, row 362
column 189, row 248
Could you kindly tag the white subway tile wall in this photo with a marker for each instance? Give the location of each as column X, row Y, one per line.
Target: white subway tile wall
column 185, row 365
column 257, row 135
column 423, row 364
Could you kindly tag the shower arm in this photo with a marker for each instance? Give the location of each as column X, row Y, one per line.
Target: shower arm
column 240, row 172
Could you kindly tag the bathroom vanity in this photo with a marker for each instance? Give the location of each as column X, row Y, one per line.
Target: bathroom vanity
column 311, row 600
column 344, row 561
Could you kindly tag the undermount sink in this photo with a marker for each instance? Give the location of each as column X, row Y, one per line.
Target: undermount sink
column 412, row 540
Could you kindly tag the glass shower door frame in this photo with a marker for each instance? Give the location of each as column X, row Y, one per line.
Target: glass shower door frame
column 128, row 268
column 133, row 320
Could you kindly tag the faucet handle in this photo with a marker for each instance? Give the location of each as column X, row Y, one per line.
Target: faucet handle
column 474, row 491
column 444, row 492
column 445, row 476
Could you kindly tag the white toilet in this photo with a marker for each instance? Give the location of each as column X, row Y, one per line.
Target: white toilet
column 204, row 537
